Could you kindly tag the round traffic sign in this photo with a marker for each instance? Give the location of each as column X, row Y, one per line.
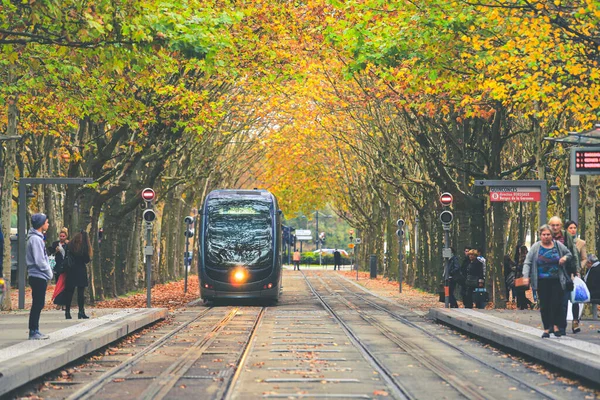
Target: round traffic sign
column 400, row 223
column 357, row 240
column 148, row 194
column 446, row 199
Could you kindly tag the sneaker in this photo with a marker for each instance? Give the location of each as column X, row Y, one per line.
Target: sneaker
column 37, row 335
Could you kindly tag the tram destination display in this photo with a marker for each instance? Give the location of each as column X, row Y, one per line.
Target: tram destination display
column 585, row 161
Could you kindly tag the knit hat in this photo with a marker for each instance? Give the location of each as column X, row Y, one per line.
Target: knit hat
column 38, row 220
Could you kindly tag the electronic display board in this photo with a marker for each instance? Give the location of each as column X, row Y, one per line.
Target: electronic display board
column 585, row 160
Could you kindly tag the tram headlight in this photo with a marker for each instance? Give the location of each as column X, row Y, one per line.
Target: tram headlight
column 239, row 275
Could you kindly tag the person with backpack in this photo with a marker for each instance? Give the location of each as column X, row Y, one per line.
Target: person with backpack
column 40, row 273
column 78, row 255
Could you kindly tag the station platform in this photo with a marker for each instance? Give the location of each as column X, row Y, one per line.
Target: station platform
column 23, row 360
column 521, row 331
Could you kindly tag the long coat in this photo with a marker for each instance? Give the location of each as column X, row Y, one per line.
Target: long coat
column 77, row 276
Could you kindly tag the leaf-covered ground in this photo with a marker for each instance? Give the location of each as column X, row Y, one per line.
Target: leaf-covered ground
column 167, row 295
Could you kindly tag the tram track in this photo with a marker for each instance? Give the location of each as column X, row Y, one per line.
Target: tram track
column 161, row 385
column 426, row 359
column 399, row 390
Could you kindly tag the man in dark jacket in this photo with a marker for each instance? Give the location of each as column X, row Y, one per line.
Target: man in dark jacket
column 337, row 260
column 592, row 278
column 574, row 265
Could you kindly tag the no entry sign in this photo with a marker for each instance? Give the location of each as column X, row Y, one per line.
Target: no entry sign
column 515, row 194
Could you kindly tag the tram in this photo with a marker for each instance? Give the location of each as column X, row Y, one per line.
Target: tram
column 240, row 246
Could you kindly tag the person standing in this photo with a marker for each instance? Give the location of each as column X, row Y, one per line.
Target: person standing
column 582, row 255
column 453, row 277
column 474, row 277
column 80, row 253
column 572, row 268
column 509, row 270
column 58, row 249
column 545, row 268
column 337, row 260
column 463, row 273
column 296, row 259
column 38, row 268
column 522, row 301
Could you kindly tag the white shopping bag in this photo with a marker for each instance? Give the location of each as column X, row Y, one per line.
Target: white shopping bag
column 570, row 311
column 580, row 293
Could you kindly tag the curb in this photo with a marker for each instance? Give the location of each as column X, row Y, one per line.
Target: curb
column 573, row 356
column 18, row 371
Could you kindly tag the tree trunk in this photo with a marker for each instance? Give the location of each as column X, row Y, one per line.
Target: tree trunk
column 8, row 175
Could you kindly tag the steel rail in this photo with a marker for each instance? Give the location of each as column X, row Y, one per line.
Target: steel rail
column 406, row 321
column 398, row 390
column 456, row 380
column 228, row 390
column 163, row 383
column 94, row 386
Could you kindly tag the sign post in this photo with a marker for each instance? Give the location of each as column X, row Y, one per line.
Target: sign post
column 519, row 191
column 149, row 216
column 22, row 223
column 584, row 161
column 446, row 218
column 400, row 234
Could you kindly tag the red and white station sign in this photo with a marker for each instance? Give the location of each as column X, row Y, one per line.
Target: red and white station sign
column 515, row 194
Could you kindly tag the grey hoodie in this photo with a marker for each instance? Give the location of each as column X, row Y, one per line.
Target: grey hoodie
column 37, row 260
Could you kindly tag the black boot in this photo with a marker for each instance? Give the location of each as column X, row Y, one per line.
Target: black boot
column 82, row 315
column 68, row 313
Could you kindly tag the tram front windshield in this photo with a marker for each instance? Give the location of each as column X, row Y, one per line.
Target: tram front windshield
column 239, row 232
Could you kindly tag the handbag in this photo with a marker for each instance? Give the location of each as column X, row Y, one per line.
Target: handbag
column 520, row 283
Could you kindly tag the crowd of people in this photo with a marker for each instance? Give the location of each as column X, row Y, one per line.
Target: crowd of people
column 69, row 269
column 548, row 268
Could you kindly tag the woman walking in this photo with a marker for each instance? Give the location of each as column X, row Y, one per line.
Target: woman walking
column 80, row 253
column 580, row 247
column 544, row 268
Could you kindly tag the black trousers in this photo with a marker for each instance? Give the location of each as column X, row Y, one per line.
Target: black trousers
column 551, row 298
column 297, row 265
column 38, row 293
column 522, row 301
column 451, row 298
column 80, row 298
column 468, row 297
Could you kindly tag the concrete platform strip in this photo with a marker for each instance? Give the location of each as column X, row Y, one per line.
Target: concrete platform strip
column 28, row 346
column 29, row 360
column 573, row 356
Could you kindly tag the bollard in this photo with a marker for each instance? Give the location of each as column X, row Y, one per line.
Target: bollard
column 373, row 264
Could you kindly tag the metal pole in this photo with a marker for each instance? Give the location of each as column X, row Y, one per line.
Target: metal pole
column 575, row 198
column 400, row 261
column 186, row 261
column 352, row 260
column 22, row 237
column 149, row 252
column 446, row 272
